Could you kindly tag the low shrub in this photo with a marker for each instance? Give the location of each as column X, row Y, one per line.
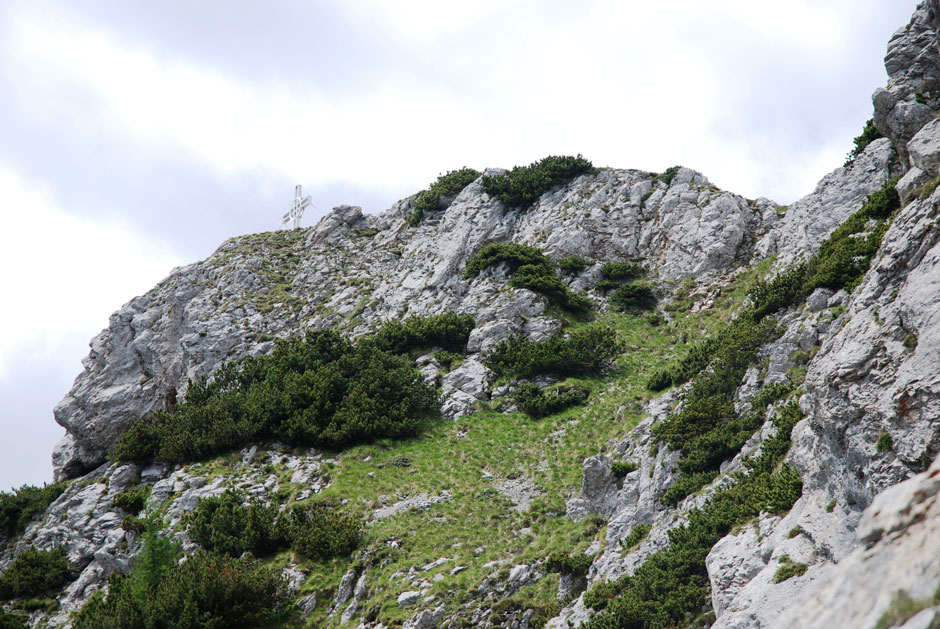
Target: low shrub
column 868, row 135
column 132, row 500
column 323, row 530
column 668, row 175
column 449, row 331
column 447, row 359
column 20, row 506
column 587, row 351
column 622, row 270
column 538, row 402
column 622, row 468
column 637, row 535
column 316, row 390
column 573, row 264
column 633, row 297
column 530, row 269
column 204, row 592
column 568, row 563
column 224, row 525
column 440, row 194
column 523, row 185
column 36, row 572
column 543, row 281
column 885, row 443
column 513, row 254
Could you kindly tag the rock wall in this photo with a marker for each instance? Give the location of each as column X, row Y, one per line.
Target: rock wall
column 352, row 272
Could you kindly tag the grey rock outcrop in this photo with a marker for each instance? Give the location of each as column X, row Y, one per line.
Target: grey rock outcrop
column 912, row 96
column 257, row 288
column 810, row 220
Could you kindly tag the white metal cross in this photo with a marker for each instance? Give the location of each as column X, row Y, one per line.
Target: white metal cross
column 297, row 207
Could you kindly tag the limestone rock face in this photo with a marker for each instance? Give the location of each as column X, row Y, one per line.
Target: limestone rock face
column 353, row 271
column 899, row 556
column 875, row 379
column 912, row 96
column 810, row 220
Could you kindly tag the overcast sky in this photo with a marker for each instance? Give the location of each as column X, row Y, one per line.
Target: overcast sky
column 136, row 136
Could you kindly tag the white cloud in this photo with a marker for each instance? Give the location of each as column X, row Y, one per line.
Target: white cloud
column 628, row 84
column 63, row 276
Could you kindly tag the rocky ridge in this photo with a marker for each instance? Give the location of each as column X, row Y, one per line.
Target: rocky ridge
column 872, row 379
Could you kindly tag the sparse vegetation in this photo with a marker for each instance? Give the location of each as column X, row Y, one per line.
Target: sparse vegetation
column 789, row 569
column 868, row 135
column 440, row 194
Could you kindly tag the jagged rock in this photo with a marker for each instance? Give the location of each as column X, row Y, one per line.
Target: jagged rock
column 306, row 605
column 912, row 96
column 221, row 309
column 426, row 619
column 407, row 599
column 840, row 193
column 902, row 554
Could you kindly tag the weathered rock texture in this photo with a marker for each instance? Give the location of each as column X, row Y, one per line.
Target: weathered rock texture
column 353, row 271
column 866, row 525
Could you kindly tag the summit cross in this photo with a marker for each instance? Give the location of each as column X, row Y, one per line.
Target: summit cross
column 297, row 207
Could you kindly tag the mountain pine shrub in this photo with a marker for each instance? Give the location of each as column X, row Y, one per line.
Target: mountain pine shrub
column 440, row 194
column 316, row 390
column 587, row 351
column 20, row 506
column 523, row 185
column 36, row 572
column 537, row 402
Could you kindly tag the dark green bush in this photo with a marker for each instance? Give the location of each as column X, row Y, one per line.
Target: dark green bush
column 573, row 264
column 36, row 572
column 538, row 402
column 19, row 507
column 513, row 254
column 523, row 185
column 530, row 269
column 606, row 286
column 587, row 351
column 448, row 331
column 540, row 280
column 622, row 468
column 885, row 443
column 13, row 620
column 318, row 390
column 668, row 175
column 869, row 134
column 223, row 525
column 622, row 270
column 204, row 592
column 322, row 530
column 637, row 535
column 633, row 297
column 133, row 499
column 440, row 194
column 133, row 523
column 566, row 563
column 447, row 359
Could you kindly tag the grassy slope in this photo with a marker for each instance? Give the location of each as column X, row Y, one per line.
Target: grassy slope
column 466, row 457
